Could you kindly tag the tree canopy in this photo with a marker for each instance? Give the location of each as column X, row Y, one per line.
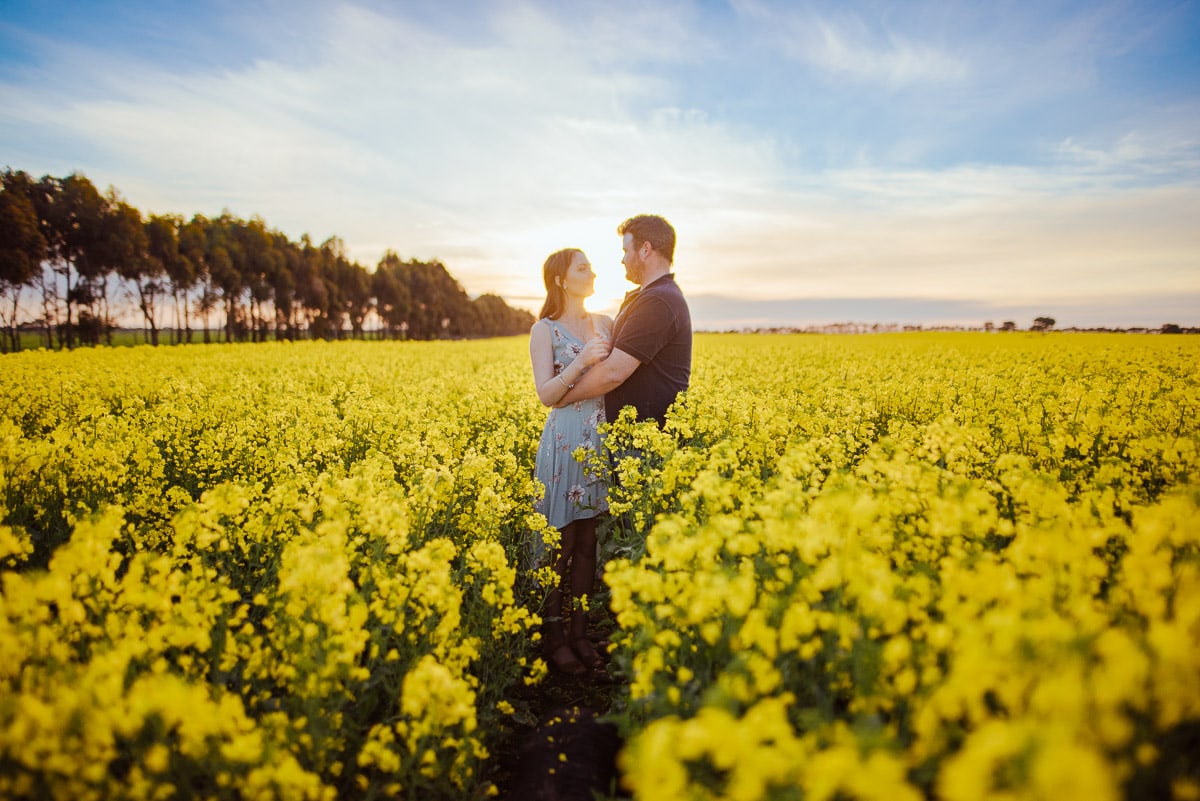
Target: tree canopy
column 76, row 251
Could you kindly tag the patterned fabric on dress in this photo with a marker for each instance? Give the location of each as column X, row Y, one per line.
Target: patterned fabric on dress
column 572, row 492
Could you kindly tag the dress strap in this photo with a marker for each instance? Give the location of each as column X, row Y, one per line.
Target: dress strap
column 601, row 324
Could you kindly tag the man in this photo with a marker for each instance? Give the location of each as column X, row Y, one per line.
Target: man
column 651, row 358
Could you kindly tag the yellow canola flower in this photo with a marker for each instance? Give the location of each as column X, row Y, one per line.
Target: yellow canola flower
column 15, row 545
column 916, row 537
column 434, row 700
column 1042, row 761
column 945, row 534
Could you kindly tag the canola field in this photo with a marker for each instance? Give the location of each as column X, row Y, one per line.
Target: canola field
column 943, row 566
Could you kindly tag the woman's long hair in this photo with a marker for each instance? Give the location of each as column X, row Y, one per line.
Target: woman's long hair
column 554, row 273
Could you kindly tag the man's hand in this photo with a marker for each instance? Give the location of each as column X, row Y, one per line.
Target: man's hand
column 602, row 378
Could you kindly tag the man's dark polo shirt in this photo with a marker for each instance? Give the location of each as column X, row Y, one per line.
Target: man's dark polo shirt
column 655, row 327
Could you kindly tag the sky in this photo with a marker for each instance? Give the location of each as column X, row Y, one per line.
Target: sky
column 913, row 163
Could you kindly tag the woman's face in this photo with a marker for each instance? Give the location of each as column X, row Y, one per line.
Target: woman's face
column 579, row 281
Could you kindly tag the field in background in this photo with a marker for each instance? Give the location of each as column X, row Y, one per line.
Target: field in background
column 911, row 565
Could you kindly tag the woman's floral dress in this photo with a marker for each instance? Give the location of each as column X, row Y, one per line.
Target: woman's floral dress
column 573, row 491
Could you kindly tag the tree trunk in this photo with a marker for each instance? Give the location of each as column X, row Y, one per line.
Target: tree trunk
column 46, row 309
column 187, row 319
column 10, row 335
column 105, row 315
column 65, row 338
column 146, row 300
column 207, row 335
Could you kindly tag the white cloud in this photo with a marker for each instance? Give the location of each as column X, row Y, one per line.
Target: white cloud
column 394, row 134
column 986, row 234
column 844, row 45
column 845, row 48
column 536, row 132
column 1163, row 145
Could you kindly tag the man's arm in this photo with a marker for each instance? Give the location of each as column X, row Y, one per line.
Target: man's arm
column 603, row 377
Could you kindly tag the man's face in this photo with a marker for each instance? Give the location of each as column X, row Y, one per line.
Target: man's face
column 635, row 265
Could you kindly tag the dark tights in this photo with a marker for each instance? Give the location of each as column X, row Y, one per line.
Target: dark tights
column 575, row 566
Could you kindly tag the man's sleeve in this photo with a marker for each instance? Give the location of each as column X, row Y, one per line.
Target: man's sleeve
column 646, row 330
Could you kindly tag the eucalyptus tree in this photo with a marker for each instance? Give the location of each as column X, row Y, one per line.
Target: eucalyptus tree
column 22, row 247
column 312, row 294
column 66, row 239
column 354, row 285
column 74, row 216
column 184, row 275
column 283, row 286
column 159, row 262
column 192, row 271
column 393, row 298
column 441, row 306
column 225, row 276
column 122, row 249
column 256, row 262
column 215, row 261
column 330, row 320
column 425, row 319
column 496, row 318
column 45, row 280
column 489, row 314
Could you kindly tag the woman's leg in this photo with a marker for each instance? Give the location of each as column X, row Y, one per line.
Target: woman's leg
column 554, row 629
column 583, row 578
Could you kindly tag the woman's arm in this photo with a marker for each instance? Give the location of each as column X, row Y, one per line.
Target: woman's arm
column 603, row 378
column 541, row 355
column 550, row 387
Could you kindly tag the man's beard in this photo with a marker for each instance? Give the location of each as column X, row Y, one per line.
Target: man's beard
column 636, row 270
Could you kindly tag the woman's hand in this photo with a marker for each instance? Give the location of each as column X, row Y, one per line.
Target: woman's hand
column 596, row 350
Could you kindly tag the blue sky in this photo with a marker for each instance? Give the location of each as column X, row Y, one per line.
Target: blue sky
column 904, row 162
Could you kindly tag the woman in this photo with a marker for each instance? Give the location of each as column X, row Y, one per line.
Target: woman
column 563, row 344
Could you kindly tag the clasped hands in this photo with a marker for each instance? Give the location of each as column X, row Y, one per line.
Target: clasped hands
column 596, row 350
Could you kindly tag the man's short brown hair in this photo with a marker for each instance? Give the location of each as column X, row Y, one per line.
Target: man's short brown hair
column 653, row 229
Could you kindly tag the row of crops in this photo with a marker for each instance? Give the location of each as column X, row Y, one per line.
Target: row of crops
column 944, row 566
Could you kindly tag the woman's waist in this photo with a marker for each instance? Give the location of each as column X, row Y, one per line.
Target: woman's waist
column 584, row 406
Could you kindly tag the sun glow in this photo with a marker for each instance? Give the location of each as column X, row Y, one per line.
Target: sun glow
column 597, row 238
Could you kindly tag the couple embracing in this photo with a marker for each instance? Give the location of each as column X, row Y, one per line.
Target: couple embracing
column 588, row 367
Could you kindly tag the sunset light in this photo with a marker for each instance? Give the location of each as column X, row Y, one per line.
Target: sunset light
column 926, row 163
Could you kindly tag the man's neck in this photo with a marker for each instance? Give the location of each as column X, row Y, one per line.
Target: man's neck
column 652, row 276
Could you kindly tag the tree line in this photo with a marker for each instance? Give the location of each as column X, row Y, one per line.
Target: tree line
column 77, row 253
